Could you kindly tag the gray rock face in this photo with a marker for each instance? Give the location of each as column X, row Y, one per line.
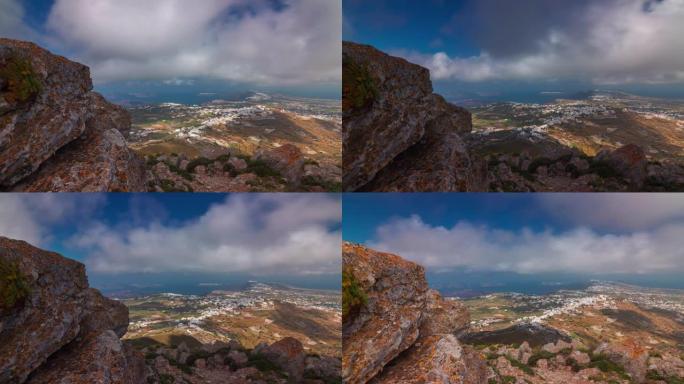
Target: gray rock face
column 398, row 135
column 61, row 331
column 55, row 133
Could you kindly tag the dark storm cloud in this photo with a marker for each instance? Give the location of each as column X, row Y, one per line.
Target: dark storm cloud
column 513, row 28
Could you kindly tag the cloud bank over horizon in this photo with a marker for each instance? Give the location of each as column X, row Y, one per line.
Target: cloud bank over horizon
column 265, row 42
column 609, row 42
column 595, row 234
column 580, row 250
column 257, row 235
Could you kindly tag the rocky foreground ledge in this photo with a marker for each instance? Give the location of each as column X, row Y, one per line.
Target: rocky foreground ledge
column 396, row 330
column 54, row 328
column 56, row 134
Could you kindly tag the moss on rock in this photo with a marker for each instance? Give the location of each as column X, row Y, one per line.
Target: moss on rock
column 22, row 83
column 14, row 287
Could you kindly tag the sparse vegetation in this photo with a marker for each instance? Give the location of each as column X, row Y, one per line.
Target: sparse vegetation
column 182, row 172
column 203, row 161
column 261, row 169
column 196, row 356
column 521, row 366
column 169, row 186
column 22, row 82
column 259, row 362
column 607, row 366
column 655, row 376
column 358, row 86
column 353, row 296
column 539, row 355
column 183, row 367
column 14, row 287
column 603, row 169
column 540, row 162
column 329, row 186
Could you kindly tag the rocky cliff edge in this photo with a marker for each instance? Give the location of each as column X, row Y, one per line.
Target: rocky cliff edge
column 54, row 328
column 398, row 135
column 397, row 330
column 56, row 134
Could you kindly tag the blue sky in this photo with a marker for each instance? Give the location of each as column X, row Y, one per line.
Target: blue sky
column 509, row 49
column 287, row 46
column 582, row 236
column 145, row 238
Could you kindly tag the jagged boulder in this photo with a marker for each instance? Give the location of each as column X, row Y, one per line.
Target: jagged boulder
column 48, row 317
column 101, row 358
column 403, row 332
column 55, row 133
column 389, row 322
column 46, row 101
column 385, row 103
column 631, row 356
column 287, row 353
column 398, row 135
column 629, row 161
column 438, row 359
column 443, row 316
column 59, row 330
column 286, row 159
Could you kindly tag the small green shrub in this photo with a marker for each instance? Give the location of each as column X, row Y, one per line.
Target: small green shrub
column 23, row 83
column 261, row 169
column 655, row 376
column 223, row 158
column 196, row 356
column 358, row 86
column 169, row 186
column 605, row 365
column 329, row 186
column 603, row 169
column 259, row 362
column 166, row 379
column 14, row 287
column 540, row 162
column 521, row 366
column 197, row 162
column 539, row 355
column 183, row 367
column 353, row 296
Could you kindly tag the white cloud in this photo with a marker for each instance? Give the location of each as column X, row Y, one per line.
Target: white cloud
column 260, row 234
column 612, row 42
column 580, row 250
column 237, row 40
column 29, row 217
column 12, row 21
column 615, row 211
